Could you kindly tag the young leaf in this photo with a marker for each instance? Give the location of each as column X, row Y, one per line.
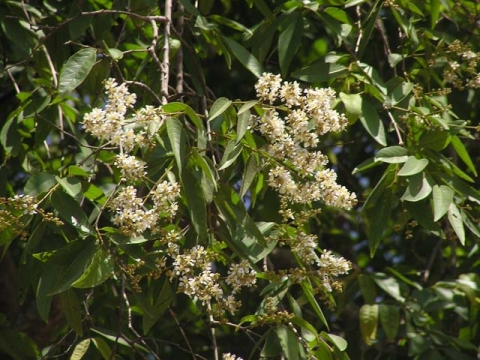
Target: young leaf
column 456, row 221
column 76, row 69
column 442, row 198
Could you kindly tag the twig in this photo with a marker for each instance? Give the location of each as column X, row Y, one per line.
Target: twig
column 426, row 273
column 395, row 125
column 166, row 51
column 146, row 88
column 212, row 332
column 174, row 316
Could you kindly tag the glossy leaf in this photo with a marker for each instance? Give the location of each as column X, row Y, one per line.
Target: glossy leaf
column 76, row 69
column 392, row 155
column 419, row 187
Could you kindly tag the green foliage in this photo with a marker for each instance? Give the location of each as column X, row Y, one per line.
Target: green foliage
column 79, row 281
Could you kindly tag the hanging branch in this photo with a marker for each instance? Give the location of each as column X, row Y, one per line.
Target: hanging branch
column 166, row 51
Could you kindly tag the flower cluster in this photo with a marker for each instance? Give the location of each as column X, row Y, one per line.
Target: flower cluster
column 298, row 172
column 13, row 213
column 194, row 270
column 133, row 214
column 461, row 69
column 228, row 356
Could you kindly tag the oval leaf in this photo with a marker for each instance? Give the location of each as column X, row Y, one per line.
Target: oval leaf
column 76, row 69
column 419, row 187
column 413, row 166
column 390, row 320
column 368, row 316
column 80, row 350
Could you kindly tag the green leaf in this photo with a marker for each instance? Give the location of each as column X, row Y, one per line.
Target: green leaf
column 39, row 183
column 388, row 284
column 50, row 275
column 251, row 169
column 76, row 70
column 434, row 12
column 102, row 348
column 246, row 58
column 247, row 106
column 288, row 342
column 80, row 349
column 392, row 155
column 16, row 344
column 195, row 202
column 99, row 270
column 321, row 70
column 76, row 269
column 176, row 136
column 308, row 292
column 442, row 198
column 436, row 140
column 365, row 165
column 390, row 320
column 463, row 154
column 218, row 107
column 368, row 316
column 70, row 211
column 419, row 187
column 413, row 166
column 367, row 287
column 251, row 246
column 71, row 185
column 456, row 221
column 289, row 40
column 163, row 301
column 232, row 151
column 339, row 342
column 372, row 123
column 353, row 105
column 72, row 310
column 243, row 121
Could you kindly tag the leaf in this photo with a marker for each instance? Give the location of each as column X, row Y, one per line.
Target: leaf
column 365, row 165
column 252, row 247
column 321, row 70
column 390, row 320
column 71, row 185
column 243, row 120
column 463, row 154
column 288, row 342
column 339, row 342
column 419, row 187
column 76, row 70
column 372, row 123
column 368, row 316
column 80, row 349
column 392, row 155
column 367, row 287
column 120, row 340
column 442, row 198
column 99, row 270
column 388, row 284
column 102, row 348
column 247, row 106
column 436, row 140
column 195, row 202
column 232, row 151
column 76, row 269
column 163, row 301
column 218, row 107
column 251, row 169
column 39, row 183
column 176, row 136
column 71, row 309
column 70, row 211
column 413, row 166
column 456, row 221
column 353, row 105
column 246, row 58
column 289, row 40
column 308, row 292
column 50, row 275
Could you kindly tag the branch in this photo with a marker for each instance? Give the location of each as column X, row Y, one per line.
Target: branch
column 179, row 58
column 166, row 51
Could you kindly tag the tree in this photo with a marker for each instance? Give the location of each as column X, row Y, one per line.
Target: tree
column 258, row 179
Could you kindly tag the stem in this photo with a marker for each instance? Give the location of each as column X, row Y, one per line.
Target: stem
column 166, row 51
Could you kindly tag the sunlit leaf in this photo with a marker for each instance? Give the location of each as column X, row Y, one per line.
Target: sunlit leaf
column 76, row 70
column 368, row 316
